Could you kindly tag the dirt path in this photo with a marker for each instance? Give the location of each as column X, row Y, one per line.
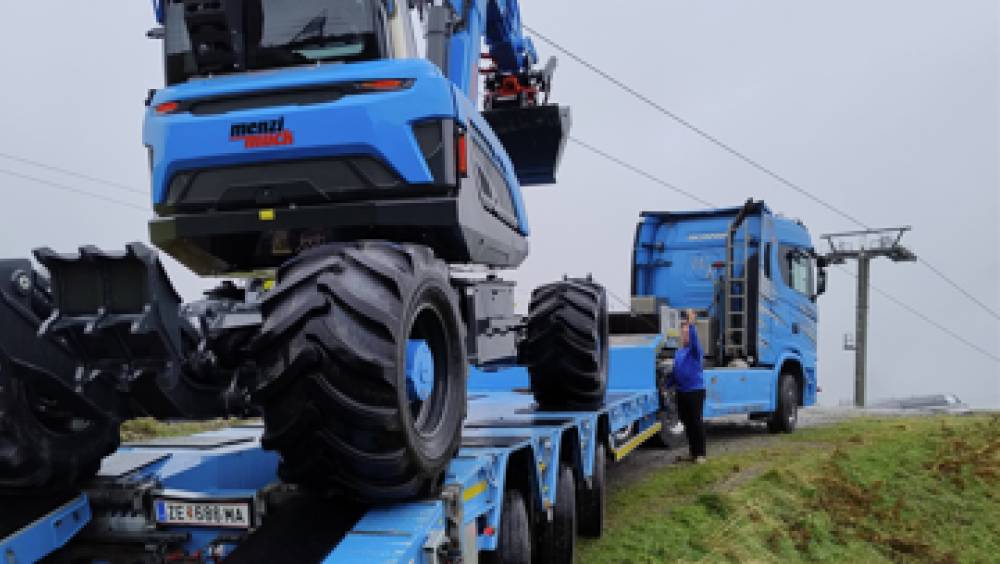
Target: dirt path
column 731, row 434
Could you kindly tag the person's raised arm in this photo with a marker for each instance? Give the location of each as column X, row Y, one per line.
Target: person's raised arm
column 693, row 335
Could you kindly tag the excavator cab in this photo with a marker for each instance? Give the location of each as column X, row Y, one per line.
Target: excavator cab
column 204, row 38
column 217, row 37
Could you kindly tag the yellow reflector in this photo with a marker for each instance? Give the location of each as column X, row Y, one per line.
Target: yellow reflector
column 268, row 285
column 472, row 491
column 266, row 215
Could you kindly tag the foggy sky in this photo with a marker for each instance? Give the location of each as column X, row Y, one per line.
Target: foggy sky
column 889, row 110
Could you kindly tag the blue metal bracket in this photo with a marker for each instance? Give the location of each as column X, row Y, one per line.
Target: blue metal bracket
column 46, row 535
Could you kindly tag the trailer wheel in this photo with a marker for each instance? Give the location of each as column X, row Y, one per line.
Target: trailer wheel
column 558, row 538
column 337, row 401
column 566, row 345
column 592, row 501
column 44, row 445
column 786, row 415
column 514, row 541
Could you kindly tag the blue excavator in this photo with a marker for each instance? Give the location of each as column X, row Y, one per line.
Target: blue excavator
column 353, row 170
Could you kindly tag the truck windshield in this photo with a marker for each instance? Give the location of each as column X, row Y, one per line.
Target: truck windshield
column 232, row 35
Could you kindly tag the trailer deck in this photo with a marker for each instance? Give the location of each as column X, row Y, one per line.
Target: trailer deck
column 216, row 494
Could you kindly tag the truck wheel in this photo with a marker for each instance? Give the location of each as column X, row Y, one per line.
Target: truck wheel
column 786, row 414
column 591, row 502
column 558, row 543
column 514, row 541
column 44, row 445
column 566, row 345
column 337, row 402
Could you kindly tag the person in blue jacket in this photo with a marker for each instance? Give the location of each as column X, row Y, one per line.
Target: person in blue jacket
column 688, row 377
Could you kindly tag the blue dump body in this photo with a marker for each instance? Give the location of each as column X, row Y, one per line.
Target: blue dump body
column 680, row 258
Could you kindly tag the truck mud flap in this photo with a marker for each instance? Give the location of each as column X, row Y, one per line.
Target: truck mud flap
column 534, row 138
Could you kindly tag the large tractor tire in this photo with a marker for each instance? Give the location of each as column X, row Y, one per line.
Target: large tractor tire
column 48, row 442
column 336, row 399
column 566, row 345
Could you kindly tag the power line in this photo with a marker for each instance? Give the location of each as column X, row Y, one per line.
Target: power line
column 701, row 132
column 955, row 285
column 639, row 171
column 68, row 172
column 78, row 191
column 739, row 155
column 924, row 317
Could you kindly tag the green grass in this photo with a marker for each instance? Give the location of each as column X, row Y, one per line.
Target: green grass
column 868, row 490
column 149, row 428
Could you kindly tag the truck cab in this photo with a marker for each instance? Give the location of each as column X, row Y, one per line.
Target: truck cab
column 754, row 279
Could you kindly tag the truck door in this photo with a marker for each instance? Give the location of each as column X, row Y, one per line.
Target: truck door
column 796, row 318
column 767, row 304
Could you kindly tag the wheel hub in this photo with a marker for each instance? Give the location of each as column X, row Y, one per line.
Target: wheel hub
column 419, row 370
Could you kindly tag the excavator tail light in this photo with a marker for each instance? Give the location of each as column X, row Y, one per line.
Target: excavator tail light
column 384, row 85
column 167, row 108
column 462, row 154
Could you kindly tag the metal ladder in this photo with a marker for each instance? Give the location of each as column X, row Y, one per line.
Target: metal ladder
column 735, row 288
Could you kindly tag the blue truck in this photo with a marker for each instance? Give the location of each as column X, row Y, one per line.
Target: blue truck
column 360, row 205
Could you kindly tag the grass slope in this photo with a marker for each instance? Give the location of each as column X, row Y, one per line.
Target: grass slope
column 149, row 428
column 869, row 490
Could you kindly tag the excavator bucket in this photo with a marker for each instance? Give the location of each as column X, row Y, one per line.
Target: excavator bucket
column 534, row 138
column 117, row 305
column 121, row 315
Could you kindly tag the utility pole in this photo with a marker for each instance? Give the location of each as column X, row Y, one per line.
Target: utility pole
column 863, row 246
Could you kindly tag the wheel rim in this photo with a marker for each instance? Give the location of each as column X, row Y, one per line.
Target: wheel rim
column 426, row 415
column 792, row 408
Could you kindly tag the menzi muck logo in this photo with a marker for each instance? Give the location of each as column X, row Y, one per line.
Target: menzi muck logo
column 258, row 134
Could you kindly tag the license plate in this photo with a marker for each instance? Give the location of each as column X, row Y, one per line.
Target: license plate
column 231, row 514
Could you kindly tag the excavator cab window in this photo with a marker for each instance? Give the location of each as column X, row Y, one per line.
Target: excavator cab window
column 209, row 37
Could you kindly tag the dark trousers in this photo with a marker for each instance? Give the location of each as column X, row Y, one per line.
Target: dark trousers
column 691, row 411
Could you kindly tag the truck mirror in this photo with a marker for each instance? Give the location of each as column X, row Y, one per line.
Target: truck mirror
column 821, row 283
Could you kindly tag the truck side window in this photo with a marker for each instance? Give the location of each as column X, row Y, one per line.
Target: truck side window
column 797, row 270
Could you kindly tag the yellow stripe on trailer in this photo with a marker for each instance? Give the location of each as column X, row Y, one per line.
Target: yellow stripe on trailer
column 266, row 215
column 637, row 440
column 473, row 490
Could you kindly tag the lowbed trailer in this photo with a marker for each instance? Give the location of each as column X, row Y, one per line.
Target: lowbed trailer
column 525, row 478
column 216, row 494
